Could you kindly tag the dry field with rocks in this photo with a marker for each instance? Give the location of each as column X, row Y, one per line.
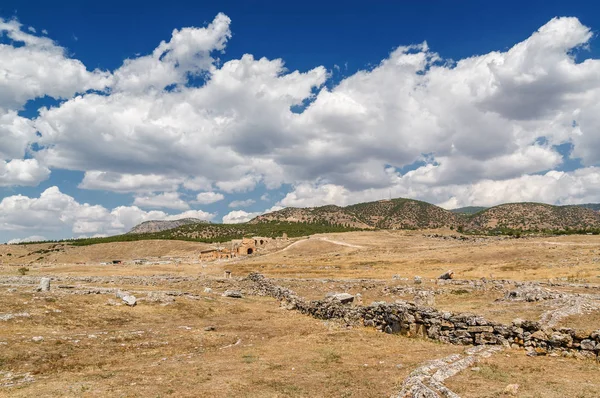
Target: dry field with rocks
column 519, row 318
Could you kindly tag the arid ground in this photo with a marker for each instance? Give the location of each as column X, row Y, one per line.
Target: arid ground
column 183, row 338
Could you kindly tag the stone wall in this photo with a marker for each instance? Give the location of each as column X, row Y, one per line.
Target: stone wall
column 455, row 328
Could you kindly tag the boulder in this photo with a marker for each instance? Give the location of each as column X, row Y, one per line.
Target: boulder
column 232, row 294
column 447, row 275
column 44, row 285
column 418, row 280
column 344, row 298
column 129, row 299
column 588, row 345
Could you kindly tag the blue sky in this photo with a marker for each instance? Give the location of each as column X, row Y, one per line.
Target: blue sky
column 486, row 111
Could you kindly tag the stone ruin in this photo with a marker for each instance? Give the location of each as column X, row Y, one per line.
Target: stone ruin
column 411, row 319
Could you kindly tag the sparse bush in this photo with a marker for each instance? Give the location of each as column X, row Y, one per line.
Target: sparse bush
column 23, row 270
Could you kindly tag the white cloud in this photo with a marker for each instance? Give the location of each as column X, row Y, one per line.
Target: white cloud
column 167, row 200
column 209, row 197
column 242, row 203
column 188, row 51
column 32, row 238
column 486, row 119
column 117, row 182
column 55, row 211
column 37, row 66
column 241, row 216
column 27, row 172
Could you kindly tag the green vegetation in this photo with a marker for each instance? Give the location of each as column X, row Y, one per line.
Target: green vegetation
column 213, row 233
column 468, row 210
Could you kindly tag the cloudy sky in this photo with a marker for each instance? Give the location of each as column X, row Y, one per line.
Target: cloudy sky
column 111, row 115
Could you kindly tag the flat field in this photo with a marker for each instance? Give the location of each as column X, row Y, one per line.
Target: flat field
column 183, row 338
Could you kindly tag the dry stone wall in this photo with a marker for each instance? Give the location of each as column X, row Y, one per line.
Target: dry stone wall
column 456, row 328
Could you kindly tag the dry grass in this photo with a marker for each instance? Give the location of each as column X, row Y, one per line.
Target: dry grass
column 547, row 377
column 94, row 349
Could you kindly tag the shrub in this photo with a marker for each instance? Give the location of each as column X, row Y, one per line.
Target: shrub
column 23, row 270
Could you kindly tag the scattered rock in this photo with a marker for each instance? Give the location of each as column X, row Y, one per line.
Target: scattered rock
column 344, row 298
column 6, row 317
column 232, row 294
column 210, row 329
column 418, row 280
column 37, row 339
column 424, row 298
column 130, row 300
column 44, row 285
column 207, row 290
column 512, row 389
column 447, row 275
column 127, row 298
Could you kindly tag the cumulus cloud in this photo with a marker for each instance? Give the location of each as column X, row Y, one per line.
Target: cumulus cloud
column 32, row 238
column 468, row 131
column 242, row 203
column 117, row 182
column 206, row 198
column 34, row 66
column 54, row 211
column 167, row 200
column 24, row 172
column 241, row 216
column 479, row 118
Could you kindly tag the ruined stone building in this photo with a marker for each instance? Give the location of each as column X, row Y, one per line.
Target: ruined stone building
column 242, row 247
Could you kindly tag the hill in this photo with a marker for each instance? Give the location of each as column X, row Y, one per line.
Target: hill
column 592, row 206
column 385, row 214
column 212, row 233
column 468, row 210
column 324, row 215
column 163, row 225
column 534, row 217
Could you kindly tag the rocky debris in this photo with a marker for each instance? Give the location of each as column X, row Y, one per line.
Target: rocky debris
column 427, row 381
column 126, row 297
column 425, row 298
column 571, row 305
column 210, row 329
column 8, row 317
column 10, row 379
column 37, row 339
column 232, row 294
column 207, row 290
column 418, row 280
column 159, row 297
column 44, row 285
column 150, row 280
column 511, row 389
column 532, row 293
column 344, row 298
column 447, row 275
column 455, row 328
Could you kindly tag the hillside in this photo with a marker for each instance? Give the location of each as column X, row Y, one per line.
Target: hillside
column 163, row 225
column 385, row 214
column 324, row 215
column 211, row 233
column 468, row 210
column 534, row 217
column 592, row 206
